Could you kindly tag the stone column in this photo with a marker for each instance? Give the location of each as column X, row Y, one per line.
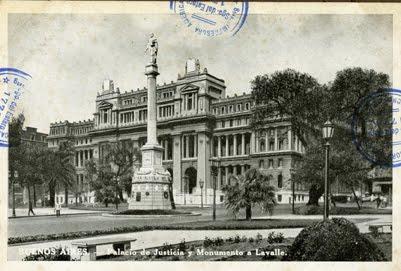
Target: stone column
column 218, row 146
column 186, row 146
column 252, row 147
column 227, row 146
column 266, row 140
column 151, row 73
column 289, row 139
column 242, row 144
column 235, row 145
column 275, row 139
column 177, row 162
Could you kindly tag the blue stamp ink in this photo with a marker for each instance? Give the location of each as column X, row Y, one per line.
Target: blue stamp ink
column 376, row 127
column 212, row 18
column 12, row 85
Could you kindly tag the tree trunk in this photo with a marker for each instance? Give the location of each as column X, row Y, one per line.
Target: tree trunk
column 356, row 198
column 120, row 194
column 34, row 196
column 170, row 191
column 315, row 192
column 66, row 196
column 106, row 203
column 248, row 212
column 52, row 193
column 30, row 209
column 332, row 200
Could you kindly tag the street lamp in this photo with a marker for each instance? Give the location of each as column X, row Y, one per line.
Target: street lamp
column 10, row 175
column 185, row 188
column 201, row 183
column 215, row 169
column 328, row 129
column 293, row 190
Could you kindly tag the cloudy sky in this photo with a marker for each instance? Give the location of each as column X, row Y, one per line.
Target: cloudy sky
column 69, row 56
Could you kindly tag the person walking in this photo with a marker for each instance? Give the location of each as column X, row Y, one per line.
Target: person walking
column 30, row 208
column 57, row 208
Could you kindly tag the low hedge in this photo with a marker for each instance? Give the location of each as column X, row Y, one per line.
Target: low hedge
column 197, row 225
column 151, row 212
column 318, row 210
column 333, row 240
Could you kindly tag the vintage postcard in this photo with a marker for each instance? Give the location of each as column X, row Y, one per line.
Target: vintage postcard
column 200, row 132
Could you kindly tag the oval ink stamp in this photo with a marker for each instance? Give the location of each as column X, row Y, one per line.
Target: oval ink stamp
column 376, row 129
column 212, row 18
column 12, row 85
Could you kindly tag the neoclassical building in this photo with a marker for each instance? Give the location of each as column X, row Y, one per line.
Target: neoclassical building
column 197, row 121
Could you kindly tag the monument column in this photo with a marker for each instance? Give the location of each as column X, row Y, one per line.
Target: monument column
column 151, row 185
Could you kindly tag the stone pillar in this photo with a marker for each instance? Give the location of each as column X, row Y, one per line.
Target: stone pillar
column 275, row 139
column 151, row 73
column 186, row 146
column 266, row 140
column 242, row 144
column 235, row 145
column 203, row 155
column 289, row 139
column 218, row 146
column 227, row 146
column 218, row 185
column 252, row 147
column 177, row 163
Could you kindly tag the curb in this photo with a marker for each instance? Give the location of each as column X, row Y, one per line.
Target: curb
column 148, row 216
column 25, row 216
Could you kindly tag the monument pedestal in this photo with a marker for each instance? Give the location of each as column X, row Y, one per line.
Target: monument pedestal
column 150, row 184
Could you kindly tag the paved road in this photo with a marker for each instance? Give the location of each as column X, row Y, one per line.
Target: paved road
column 50, row 224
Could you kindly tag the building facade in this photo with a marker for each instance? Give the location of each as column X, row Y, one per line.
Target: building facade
column 196, row 121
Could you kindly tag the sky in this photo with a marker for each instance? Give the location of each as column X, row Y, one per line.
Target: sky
column 69, row 56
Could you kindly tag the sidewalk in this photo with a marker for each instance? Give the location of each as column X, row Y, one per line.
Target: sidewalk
column 23, row 212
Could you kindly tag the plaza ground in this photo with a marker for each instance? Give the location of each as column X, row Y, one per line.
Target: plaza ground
column 88, row 220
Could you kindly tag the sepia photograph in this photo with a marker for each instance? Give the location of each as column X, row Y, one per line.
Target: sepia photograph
column 204, row 131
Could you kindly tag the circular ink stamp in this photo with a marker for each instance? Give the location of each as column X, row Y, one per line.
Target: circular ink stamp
column 212, row 18
column 376, row 129
column 12, row 85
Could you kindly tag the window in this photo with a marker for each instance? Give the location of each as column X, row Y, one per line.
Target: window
column 238, row 122
column 280, row 162
column 138, row 196
column 231, row 123
column 279, row 198
column 271, row 163
column 215, row 111
column 221, row 198
column 303, row 197
column 247, row 106
column 280, row 181
column 230, row 110
column 189, row 102
column 261, row 164
column 238, row 107
column 223, row 110
column 281, row 144
column 271, row 145
column 223, row 124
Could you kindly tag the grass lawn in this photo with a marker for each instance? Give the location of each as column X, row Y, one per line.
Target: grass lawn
column 151, row 212
column 341, row 210
column 244, row 224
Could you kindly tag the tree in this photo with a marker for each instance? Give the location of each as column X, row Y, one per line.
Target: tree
column 293, row 95
column 308, row 105
column 14, row 140
column 249, row 190
column 113, row 173
column 57, row 169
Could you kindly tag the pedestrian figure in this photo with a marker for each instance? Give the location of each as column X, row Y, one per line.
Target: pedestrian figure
column 30, row 209
column 378, row 201
column 58, row 209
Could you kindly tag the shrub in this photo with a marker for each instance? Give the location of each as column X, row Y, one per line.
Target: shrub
column 51, row 254
column 274, row 238
column 251, row 240
column 340, row 198
column 334, row 240
column 237, row 239
column 259, row 237
column 182, row 246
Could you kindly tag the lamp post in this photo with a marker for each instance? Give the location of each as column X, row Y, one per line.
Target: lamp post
column 327, row 132
column 201, row 183
column 215, row 170
column 293, row 190
column 10, row 175
column 117, row 180
column 185, row 189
